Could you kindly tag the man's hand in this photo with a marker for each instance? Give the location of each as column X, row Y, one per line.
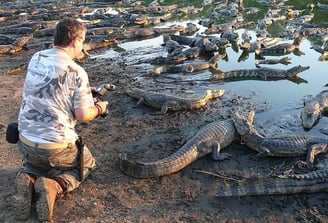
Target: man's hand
column 102, row 107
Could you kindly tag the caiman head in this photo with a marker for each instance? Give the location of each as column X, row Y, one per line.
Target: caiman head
column 310, row 115
column 294, row 71
column 297, row 41
column 135, row 92
column 243, row 122
column 208, row 45
column 173, row 46
column 222, row 43
column 245, row 46
column 141, row 20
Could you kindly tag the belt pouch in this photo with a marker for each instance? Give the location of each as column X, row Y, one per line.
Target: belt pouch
column 12, row 133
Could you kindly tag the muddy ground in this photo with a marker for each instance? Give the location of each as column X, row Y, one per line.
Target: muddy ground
column 108, row 195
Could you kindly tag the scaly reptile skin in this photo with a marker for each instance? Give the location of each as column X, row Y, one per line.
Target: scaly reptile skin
column 190, row 67
column 285, row 146
column 167, row 103
column 283, row 60
column 263, row 73
column 282, row 48
column 312, row 182
column 313, row 109
column 212, row 138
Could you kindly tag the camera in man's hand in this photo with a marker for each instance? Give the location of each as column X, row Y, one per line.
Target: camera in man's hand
column 100, row 92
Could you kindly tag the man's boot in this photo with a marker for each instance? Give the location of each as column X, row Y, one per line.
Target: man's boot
column 22, row 200
column 47, row 192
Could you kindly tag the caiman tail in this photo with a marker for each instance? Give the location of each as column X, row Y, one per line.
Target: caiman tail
column 166, row 166
column 313, row 182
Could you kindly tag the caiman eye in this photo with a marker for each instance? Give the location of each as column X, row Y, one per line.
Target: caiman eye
column 309, row 115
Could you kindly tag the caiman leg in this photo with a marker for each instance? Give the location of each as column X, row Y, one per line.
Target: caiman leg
column 310, row 156
column 216, row 147
column 313, row 151
column 164, row 108
column 264, row 153
column 140, row 101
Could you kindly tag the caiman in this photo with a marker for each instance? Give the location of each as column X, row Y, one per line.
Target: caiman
column 190, row 29
column 211, row 138
column 230, row 35
column 98, row 41
column 322, row 50
column 285, row 146
column 313, row 109
column 282, row 48
column 160, row 9
column 255, row 45
column 190, row 10
column 322, row 6
column 165, row 102
column 173, row 48
column 206, row 44
column 15, row 70
column 145, row 21
column 311, row 182
column 16, row 46
column 139, row 32
column 190, row 67
column 263, row 73
column 283, row 60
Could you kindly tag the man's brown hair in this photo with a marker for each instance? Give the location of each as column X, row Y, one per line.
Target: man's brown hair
column 67, row 30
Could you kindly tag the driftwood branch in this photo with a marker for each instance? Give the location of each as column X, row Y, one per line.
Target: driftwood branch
column 214, row 174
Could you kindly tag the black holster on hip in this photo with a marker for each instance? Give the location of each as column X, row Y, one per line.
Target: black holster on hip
column 80, row 147
column 12, row 134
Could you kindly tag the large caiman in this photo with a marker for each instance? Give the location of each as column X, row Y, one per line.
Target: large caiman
column 311, row 182
column 211, row 138
column 313, row 109
column 165, row 102
column 263, row 73
column 285, row 146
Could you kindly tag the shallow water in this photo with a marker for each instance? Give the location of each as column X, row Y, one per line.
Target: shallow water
column 283, row 97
